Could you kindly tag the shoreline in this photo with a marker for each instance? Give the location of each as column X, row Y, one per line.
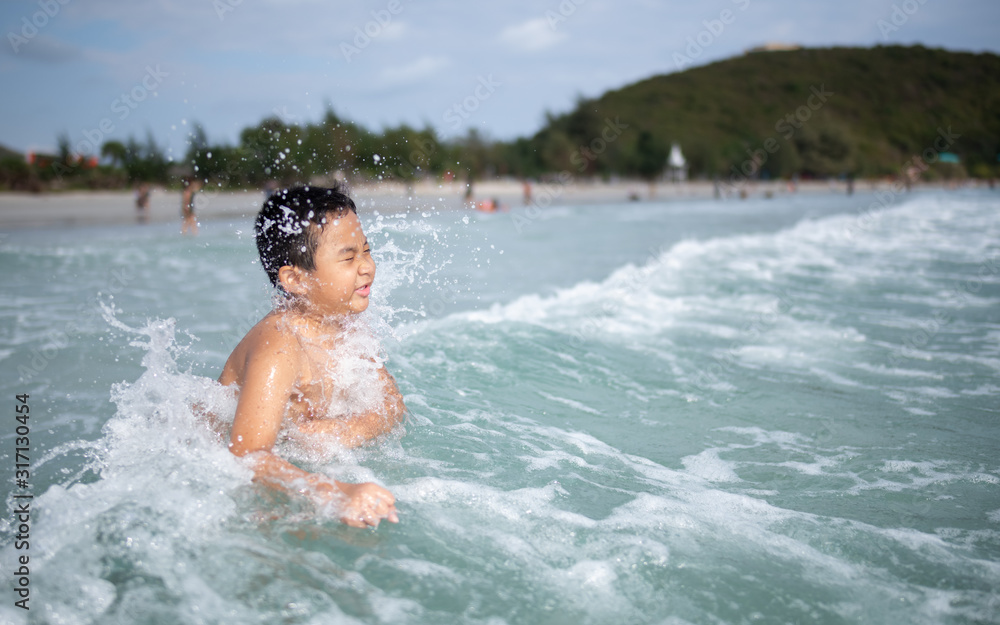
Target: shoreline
column 91, row 208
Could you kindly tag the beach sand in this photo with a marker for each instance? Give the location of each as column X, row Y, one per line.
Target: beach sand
column 83, row 208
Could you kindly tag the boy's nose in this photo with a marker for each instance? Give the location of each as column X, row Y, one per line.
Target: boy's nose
column 368, row 266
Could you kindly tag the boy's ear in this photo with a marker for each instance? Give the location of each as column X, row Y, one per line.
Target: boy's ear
column 292, row 279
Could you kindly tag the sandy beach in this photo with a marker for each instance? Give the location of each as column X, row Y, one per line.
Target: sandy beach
column 84, row 208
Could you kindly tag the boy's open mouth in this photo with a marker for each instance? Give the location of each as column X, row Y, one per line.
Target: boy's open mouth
column 363, row 291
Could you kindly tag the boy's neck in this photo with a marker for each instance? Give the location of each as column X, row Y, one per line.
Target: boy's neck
column 302, row 309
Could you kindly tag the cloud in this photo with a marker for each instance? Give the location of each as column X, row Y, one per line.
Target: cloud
column 532, row 35
column 419, row 69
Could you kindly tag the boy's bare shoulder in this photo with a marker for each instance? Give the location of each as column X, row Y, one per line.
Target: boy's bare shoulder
column 273, row 333
column 271, row 340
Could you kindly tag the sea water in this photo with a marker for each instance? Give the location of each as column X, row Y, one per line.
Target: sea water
column 775, row 410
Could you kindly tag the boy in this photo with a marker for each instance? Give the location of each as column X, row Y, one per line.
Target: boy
column 313, row 249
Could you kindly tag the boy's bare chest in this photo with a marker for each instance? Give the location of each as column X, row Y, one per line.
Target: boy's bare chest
column 335, row 379
column 312, row 394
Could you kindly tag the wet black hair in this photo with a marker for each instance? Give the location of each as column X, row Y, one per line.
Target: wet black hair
column 290, row 223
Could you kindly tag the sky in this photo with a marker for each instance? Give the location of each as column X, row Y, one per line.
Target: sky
column 97, row 70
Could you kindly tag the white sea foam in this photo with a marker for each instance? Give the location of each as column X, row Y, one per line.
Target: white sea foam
column 572, row 403
column 708, row 466
column 651, row 505
column 800, row 250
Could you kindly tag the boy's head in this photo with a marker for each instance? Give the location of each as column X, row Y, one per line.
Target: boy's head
column 290, row 223
column 313, row 248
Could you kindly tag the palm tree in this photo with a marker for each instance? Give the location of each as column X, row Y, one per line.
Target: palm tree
column 116, row 151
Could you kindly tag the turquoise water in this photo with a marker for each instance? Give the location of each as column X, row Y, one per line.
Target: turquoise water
column 777, row 411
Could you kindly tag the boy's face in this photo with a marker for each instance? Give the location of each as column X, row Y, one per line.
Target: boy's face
column 344, row 271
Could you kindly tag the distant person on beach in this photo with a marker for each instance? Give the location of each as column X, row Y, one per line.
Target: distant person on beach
column 189, row 223
column 313, row 249
column 269, row 188
column 469, row 199
column 142, row 203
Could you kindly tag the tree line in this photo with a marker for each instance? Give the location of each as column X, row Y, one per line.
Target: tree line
column 819, row 113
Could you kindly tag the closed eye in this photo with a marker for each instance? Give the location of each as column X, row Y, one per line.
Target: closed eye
column 367, row 250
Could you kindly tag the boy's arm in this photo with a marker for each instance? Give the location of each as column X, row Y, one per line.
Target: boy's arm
column 270, row 373
column 361, row 428
column 359, row 505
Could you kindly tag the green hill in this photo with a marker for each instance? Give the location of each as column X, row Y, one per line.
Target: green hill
column 879, row 107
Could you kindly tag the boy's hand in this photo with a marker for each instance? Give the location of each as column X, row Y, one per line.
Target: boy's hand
column 358, row 505
column 367, row 504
